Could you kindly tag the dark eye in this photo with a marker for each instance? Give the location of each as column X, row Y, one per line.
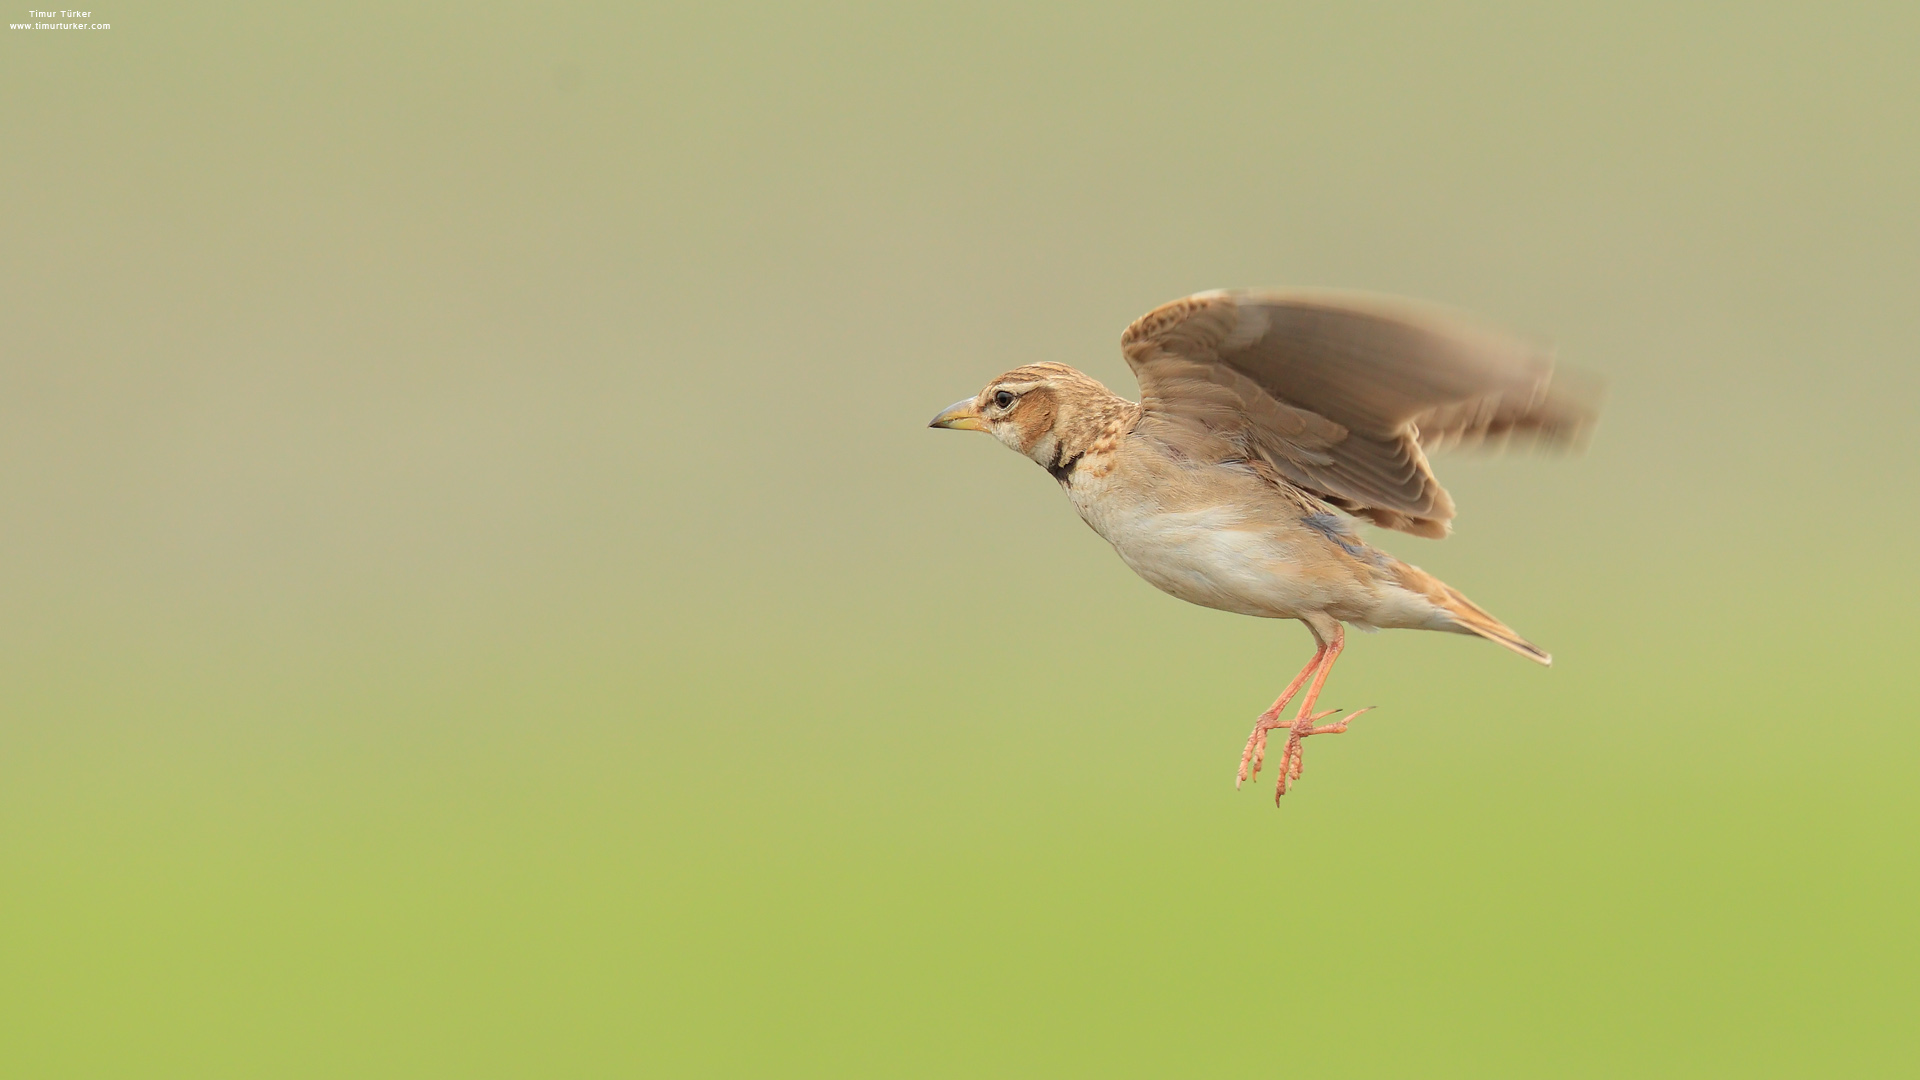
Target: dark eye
column 1003, row 399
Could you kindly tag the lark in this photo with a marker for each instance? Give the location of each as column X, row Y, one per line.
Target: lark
column 1269, row 423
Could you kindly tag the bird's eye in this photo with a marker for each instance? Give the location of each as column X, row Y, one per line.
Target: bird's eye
column 1003, row 399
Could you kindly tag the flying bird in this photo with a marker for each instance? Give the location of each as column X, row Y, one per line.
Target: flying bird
column 1268, row 421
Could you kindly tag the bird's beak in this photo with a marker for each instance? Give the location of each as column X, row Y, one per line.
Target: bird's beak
column 961, row 416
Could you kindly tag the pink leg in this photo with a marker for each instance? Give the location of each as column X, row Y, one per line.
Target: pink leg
column 1302, row 725
column 1303, row 722
column 1256, row 750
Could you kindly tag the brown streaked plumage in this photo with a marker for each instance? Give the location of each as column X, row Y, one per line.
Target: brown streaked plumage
column 1261, row 413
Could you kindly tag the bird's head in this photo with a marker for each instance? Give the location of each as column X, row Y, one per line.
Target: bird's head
column 1047, row 412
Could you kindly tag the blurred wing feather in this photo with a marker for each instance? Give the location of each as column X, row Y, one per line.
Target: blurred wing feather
column 1342, row 393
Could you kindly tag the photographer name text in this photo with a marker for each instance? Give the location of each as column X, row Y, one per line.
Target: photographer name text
column 32, row 14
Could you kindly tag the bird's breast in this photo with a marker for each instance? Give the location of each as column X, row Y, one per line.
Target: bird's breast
column 1217, row 556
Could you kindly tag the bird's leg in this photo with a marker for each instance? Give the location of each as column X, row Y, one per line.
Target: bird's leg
column 1303, row 722
column 1256, row 750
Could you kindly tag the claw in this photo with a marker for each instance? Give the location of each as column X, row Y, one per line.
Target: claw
column 1292, row 760
column 1253, row 755
column 1335, row 729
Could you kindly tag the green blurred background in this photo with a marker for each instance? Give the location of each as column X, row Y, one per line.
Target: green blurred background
column 480, row 597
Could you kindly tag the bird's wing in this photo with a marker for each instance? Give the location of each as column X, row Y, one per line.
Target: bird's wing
column 1340, row 392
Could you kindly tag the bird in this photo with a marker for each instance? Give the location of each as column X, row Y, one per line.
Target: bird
column 1271, row 424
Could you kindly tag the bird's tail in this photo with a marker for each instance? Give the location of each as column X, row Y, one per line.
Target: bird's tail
column 1466, row 616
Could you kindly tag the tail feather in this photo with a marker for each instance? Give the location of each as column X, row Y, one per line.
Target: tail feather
column 1466, row 616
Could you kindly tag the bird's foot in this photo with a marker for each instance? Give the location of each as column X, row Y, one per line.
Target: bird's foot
column 1256, row 749
column 1300, row 729
column 1297, row 729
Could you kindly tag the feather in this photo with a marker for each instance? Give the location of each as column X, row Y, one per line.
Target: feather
column 1344, row 393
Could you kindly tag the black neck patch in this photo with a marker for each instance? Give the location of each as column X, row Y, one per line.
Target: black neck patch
column 1062, row 468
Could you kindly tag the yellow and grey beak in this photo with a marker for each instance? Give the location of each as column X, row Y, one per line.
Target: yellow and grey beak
column 961, row 416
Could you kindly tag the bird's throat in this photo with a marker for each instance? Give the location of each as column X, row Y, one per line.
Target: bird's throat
column 1062, row 466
